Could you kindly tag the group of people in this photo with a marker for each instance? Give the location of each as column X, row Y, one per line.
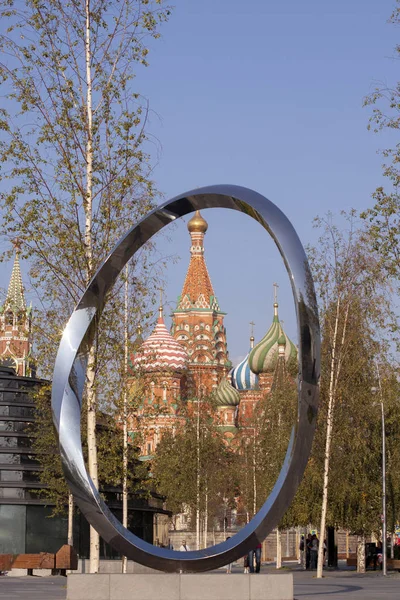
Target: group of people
column 248, row 559
column 310, row 547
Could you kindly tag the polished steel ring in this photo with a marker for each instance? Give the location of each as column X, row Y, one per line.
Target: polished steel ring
column 69, row 378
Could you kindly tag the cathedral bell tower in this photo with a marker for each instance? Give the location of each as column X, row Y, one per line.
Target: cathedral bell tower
column 197, row 322
column 15, row 324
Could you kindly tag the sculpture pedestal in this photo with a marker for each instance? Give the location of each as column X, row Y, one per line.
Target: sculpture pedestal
column 190, row 586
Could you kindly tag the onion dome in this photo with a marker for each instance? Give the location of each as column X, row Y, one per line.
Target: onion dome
column 197, row 223
column 226, row 395
column 262, row 358
column 161, row 351
column 281, row 343
column 242, row 377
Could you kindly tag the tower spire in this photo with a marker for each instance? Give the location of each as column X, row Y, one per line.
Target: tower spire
column 160, row 308
column 15, row 295
column 252, row 334
column 15, row 324
column 197, row 289
column 276, row 299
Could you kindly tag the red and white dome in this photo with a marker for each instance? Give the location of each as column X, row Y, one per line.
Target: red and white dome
column 161, row 351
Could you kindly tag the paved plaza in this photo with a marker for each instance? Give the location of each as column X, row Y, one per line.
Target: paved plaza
column 337, row 585
column 33, row 588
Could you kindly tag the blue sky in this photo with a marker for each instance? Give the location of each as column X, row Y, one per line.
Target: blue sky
column 267, row 94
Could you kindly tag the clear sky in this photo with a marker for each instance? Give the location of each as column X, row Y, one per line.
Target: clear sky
column 267, row 94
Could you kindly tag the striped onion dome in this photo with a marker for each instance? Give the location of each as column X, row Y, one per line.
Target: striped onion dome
column 161, row 351
column 262, row 358
column 242, row 376
column 226, row 395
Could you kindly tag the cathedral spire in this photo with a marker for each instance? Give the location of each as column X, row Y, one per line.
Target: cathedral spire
column 197, row 289
column 15, row 324
column 15, row 295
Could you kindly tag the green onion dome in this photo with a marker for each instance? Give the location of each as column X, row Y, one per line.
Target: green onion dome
column 282, row 339
column 226, row 395
column 262, row 358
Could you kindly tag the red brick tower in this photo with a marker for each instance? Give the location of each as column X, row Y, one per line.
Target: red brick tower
column 197, row 322
column 15, row 325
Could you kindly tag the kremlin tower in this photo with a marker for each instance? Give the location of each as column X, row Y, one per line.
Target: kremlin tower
column 15, row 325
column 193, row 361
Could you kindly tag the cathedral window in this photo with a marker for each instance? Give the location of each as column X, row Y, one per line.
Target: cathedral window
column 164, row 394
column 9, row 318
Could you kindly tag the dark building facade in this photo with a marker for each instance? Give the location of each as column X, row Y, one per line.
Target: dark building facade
column 22, row 512
column 26, row 521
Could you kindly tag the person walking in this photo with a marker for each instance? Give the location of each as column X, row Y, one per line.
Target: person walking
column 250, row 558
column 308, row 550
column 314, row 552
column 246, row 569
column 301, row 553
column 257, row 552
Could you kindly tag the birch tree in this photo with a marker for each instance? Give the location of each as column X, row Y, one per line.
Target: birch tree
column 383, row 219
column 195, row 470
column 74, row 168
column 348, row 282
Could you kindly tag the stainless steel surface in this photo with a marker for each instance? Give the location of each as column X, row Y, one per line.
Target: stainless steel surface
column 69, row 378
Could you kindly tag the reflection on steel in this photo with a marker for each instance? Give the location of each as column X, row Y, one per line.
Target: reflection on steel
column 69, row 376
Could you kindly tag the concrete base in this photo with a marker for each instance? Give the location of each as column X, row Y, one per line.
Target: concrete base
column 114, row 566
column 206, row 586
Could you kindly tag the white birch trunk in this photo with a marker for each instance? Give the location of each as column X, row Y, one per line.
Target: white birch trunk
column 333, row 378
column 90, row 374
column 278, row 549
column 361, row 554
column 70, row 538
column 94, row 557
column 125, row 421
column 205, row 520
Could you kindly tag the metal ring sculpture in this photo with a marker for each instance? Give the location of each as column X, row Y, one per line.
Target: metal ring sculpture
column 69, row 378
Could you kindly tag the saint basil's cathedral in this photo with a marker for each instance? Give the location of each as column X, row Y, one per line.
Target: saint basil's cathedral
column 192, row 361
column 189, row 362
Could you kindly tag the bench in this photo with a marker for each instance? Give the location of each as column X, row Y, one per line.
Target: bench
column 393, row 563
column 65, row 559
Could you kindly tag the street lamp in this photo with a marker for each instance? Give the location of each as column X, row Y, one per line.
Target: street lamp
column 373, row 391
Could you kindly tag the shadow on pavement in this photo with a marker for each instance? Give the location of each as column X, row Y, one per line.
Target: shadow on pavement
column 341, row 589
